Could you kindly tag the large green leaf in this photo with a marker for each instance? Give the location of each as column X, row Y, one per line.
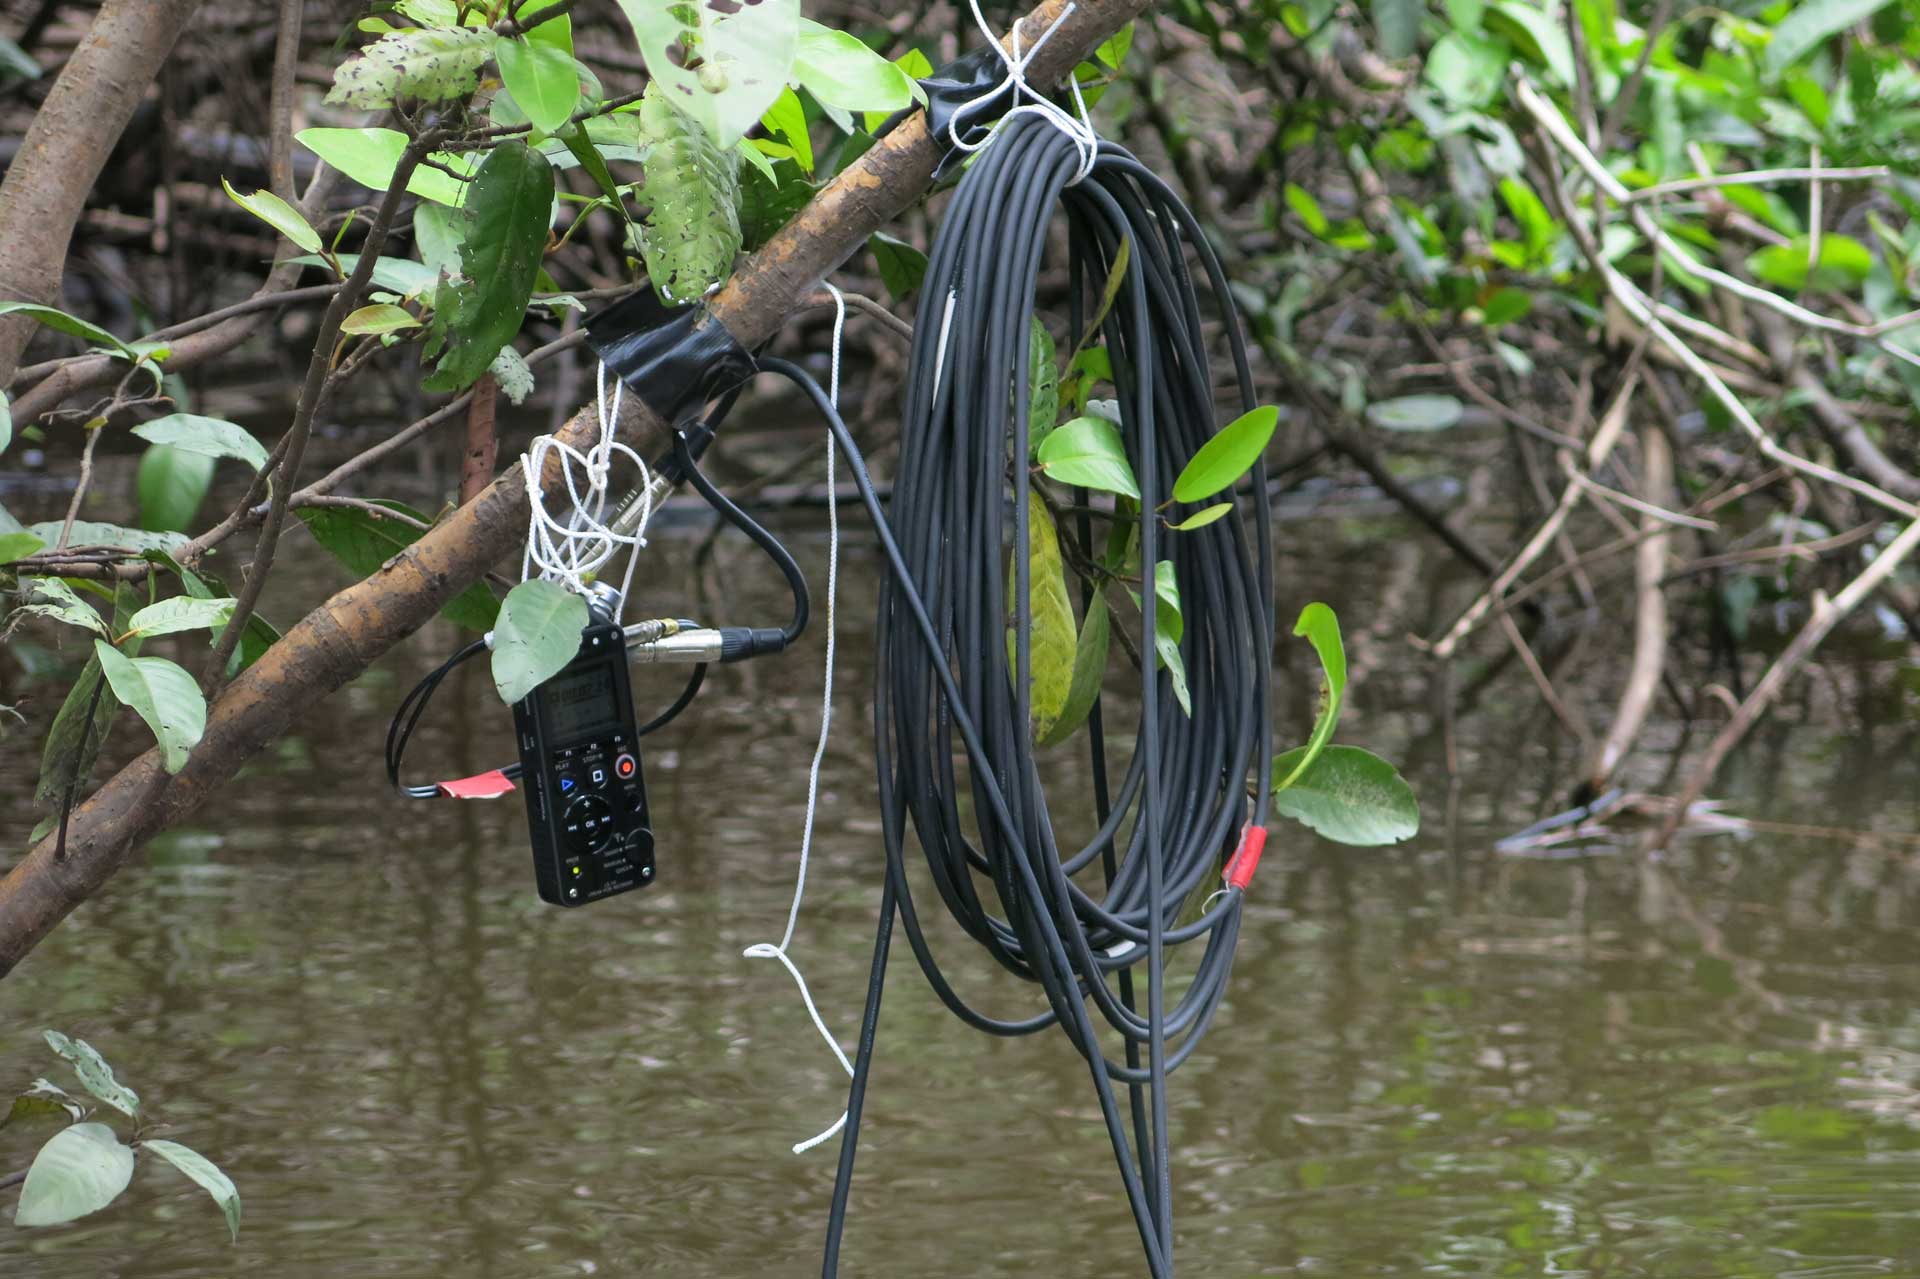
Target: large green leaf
column 61, row 322
column 428, row 65
column 163, row 695
column 260, row 634
column 723, row 64
column 1321, row 628
column 172, row 482
column 1228, row 455
column 51, row 597
column 181, row 613
column 509, row 208
column 537, row 634
column 279, row 215
column 80, row 1170
column 1350, row 796
column 1050, row 646
column 1089, row 667
column 205, row 1174
column 94, row 1072
column 542, row 78
column 1808, row 24
column 208, row 436
column 843, row 73
column 1088, row 451
column 369, row 156
column 691, row 233
column 363, row 542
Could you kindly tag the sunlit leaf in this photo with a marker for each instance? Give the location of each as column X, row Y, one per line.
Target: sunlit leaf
column 1088, row 451
column 840, row 71
column 279, row 215
column 369, row 156
column 1321, row 628
column 1203, row 517
column 61, row 322
column 542, row 79
column 722, row 64
column 1229, row 454
column 1844, row 264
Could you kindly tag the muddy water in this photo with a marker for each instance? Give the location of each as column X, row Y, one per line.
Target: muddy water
column 1436, row 1059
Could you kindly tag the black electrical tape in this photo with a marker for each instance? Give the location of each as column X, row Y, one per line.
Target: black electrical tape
column 676, row 359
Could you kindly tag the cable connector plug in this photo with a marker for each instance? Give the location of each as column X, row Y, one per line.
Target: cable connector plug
column 1246, row 858
column 738, row 643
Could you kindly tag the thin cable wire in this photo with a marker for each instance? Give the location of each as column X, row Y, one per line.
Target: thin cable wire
column 761, row 950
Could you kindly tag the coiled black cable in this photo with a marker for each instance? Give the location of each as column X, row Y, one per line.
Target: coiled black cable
column 943, row 663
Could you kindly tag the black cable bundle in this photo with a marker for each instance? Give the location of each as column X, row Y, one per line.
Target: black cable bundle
column 944, row 669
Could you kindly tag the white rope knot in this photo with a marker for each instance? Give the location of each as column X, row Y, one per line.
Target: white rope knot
column 570, row 549
column 1079, row 129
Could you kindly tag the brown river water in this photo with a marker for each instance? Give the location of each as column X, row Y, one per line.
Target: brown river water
column 1435, row 1059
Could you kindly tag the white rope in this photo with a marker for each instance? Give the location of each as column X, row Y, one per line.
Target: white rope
column 570, row 551
column 764, row 950
column 1078, row 128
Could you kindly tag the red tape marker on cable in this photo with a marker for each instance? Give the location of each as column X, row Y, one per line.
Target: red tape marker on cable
column 1246, row 858
column 482, row 786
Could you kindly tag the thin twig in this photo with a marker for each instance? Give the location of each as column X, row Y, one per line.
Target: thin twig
column 79, row 489
column 1759, row 177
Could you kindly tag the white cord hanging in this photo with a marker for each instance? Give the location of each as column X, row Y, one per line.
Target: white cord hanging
column 571, row 550
column 765, row 950
column 1026, row 99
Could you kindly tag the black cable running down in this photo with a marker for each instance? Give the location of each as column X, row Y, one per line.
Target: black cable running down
column 944, row 668
column 741, row 641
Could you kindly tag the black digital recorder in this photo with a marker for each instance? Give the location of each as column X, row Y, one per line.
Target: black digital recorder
column 580, row 762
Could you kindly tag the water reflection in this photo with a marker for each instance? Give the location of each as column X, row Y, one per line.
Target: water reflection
column 1434, row 1060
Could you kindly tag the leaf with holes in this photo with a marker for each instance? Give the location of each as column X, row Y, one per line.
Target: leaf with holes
column 80, row 1170
column 1350, row 796
column 1320, row 627
column 205, row 1174
column 1088, row 451
column 723, row 62
column 163, row 695
column 537, row 634
column 207, row 436
column 1229, row 454
column 364, row 542
column 425, row 65
column 278, row 214
column 505, row 237
column 691, row 233
column 94, row 1072
column 92, row 533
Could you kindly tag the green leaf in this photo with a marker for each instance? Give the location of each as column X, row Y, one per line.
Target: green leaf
column 1468, row 70
column 51, row 597
column 1089, row 667
column 171, row 482
column 1088, row 451
column 74, row 741
column 1537, row 37
column 401, row 275
column 1504, row 306
column 1112, row 51
column 787, row 120
column 17, row 546
column 537, row 634
column 1050, row 647
column 721, row 64
column 902, row 266
column 436, row 233
column 260, row 634
column 278, row 214
column 1349, row 796
column 840, row 71
column 542, row 79
column 369, row 156
column 423, row 64
column 1168, row 626
column 1844, row 264
column 1231, row 453
column 15, row 64
column 1202, row 518
column 204, row 1174
column 6, row 422
column 510, row 206
column 1416, row 413
column 93, row 533
column 94, row 1072
column 181, row 613
column 44, row 1100
column 1306, row 208
column 513, row 375
column 691, row 234
column 207, row 436
column 381, row 317
column 363, row 542
column 161, row 694
column 80, row 1170
column 1536, row 224
column 1320, row 627
column 61, row 322
column 1808, row 24
column 1398, row 23
column 1043, row 384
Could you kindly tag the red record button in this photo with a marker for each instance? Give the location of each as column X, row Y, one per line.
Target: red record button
column 625, row 766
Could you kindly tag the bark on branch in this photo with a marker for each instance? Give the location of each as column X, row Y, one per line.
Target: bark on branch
column 349, row 632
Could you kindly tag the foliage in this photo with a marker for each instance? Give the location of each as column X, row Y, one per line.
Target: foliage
column 85, row 1166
